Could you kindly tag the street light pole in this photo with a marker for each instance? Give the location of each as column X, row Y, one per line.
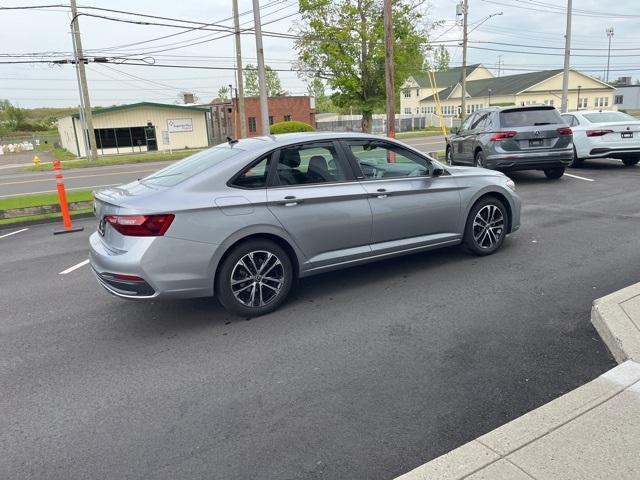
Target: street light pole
column 489, row 98
column 610, row 35
column 264, row 101
column 240, row 81
column 567, row 60
column 463, row 103
column 579, row 87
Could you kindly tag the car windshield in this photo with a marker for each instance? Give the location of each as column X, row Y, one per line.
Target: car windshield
column 529, row 117
column 190, row 166
column 601, row 117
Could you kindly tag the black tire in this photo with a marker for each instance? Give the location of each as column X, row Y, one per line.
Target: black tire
column 266, row 297
column 449, row 155
column 480, row 239
column 576, row 162
column 479, row 160
column 630, row 162
column 554, row 173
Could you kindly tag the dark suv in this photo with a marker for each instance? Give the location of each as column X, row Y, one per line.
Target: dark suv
column 513, row 138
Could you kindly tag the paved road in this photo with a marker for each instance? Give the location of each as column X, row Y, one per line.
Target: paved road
column 14, row 181
column 364, row 374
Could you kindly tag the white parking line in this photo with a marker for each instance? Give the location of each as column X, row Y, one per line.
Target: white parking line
column 75, row 267
column 579, row 178
column 13, row 233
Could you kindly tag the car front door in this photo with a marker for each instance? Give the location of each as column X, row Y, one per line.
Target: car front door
column 411, row 207
column 319, row 203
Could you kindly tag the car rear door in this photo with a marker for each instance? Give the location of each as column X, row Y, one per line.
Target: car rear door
column 537, row 129
column 464, row 140
column 320, row 204
column 411, row 208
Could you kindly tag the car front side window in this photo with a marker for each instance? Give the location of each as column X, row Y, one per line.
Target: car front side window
column 380, row 160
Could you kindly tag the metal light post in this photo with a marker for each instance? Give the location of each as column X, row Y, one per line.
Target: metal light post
column 489, row 98
column 610, row 35
column 567, row 61
column 579, row 87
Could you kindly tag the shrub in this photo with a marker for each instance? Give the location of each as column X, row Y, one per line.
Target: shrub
column 290, row 127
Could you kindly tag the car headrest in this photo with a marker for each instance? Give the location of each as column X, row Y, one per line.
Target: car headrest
column 318, row 163
column 290, row 158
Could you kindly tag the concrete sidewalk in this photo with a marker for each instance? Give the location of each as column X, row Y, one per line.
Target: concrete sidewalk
column 592, row 432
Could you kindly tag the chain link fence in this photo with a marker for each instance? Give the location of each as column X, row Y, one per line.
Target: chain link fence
column 404, row 123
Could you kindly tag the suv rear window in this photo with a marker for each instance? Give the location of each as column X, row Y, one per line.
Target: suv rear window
column 530, row 117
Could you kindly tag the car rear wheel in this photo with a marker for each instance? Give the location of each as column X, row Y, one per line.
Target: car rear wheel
column 479, row 160
column 255, row 278
column 554, row 173
column 630, row 162
column 577, row 162
column 486, row 226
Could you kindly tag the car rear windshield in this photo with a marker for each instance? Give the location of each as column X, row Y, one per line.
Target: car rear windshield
column 190, row 166
column 529, row 117
column 601, row 117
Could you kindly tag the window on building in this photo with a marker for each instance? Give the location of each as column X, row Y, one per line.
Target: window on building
column 406, row 93
column 120, row 137
column 407, row 110
column 606, row 101
column 583, row 102
column 270, row 120
column 618, row 99
column 287, row 118
column 417, row 109
column 551, row 102
column 252, row 125
column 417, row 92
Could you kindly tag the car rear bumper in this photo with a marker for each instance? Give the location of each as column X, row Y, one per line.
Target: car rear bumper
column 168, row 268
column 530, row 160
column 614, row 152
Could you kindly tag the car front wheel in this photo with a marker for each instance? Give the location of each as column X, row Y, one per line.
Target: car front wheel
column 486, row 226
column 554, row 173
column 479, row 160
column 449, row 156
column 630, row 162
column 255, row 278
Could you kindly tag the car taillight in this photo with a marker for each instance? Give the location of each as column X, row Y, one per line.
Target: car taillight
column 502, row 136
column 598, row 133
column 140, row 225
column 564, row 131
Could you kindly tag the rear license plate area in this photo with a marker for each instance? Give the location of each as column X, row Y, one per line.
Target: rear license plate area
column 535, row 142
column 627, row 134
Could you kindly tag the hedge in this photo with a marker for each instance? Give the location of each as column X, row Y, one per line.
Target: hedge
column 290, row 127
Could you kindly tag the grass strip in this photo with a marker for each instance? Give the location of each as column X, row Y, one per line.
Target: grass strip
column 44, row 216
column 39, row 199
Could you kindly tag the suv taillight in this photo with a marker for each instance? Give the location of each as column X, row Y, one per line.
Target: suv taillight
column 598, row 133
column 502, row 136
column 140, row 225
column 564, row 131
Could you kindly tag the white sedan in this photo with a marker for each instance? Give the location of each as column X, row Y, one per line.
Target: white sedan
column 604, row 134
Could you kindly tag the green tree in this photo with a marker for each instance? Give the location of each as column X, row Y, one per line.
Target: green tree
column 11, row 115
column 223, row 93
column 252, row 87
column 316, row 89
column 441, row 59
column 342, row 41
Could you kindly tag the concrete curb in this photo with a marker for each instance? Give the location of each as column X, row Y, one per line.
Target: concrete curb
column 513, row 451
column 613, row 318
column 505, row 452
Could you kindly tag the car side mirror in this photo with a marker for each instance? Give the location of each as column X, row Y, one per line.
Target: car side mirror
column 437, row 171
column 455, row 130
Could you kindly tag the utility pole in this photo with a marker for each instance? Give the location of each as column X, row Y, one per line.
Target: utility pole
column 610, row 35
column 499, row 64
column 567, row 60
column 389, row 69
column 463, row 81
column 84, row 90
column 240, row 94
column 264, row 102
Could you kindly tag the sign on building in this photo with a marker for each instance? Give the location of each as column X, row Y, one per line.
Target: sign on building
column 166, row 139
column 180, row 125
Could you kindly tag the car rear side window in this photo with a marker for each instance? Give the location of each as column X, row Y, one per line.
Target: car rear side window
column 530, row 117
column 190, row 166
column 310, row 163
column 254, row 176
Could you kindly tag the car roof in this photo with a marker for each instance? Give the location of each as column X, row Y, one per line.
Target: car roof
column 274, row 141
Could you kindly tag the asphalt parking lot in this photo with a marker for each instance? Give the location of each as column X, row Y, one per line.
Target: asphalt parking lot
column 364, row 374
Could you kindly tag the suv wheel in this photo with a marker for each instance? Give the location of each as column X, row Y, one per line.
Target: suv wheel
column 554, row 173
column 630, row 162
column 486, row 226
column 449, row 156
column 255, row 278
column 479, row 160
column 577, row 162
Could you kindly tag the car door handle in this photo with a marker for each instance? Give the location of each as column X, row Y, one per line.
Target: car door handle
column 381, row 193
column 290, row 201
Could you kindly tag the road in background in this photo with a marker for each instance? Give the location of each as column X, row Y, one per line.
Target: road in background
column 365, row 373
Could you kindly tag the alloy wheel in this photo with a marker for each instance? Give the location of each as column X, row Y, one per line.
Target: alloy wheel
column 488, row 226
column 257, row 278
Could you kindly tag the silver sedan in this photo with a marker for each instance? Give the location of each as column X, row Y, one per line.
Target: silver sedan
column 246, row 218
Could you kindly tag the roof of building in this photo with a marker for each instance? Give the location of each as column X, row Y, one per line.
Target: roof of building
column 115, row 108
column 446, row 78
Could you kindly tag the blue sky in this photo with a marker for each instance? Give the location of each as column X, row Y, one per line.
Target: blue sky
column 523, row 22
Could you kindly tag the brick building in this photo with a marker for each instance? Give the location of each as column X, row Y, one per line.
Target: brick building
column 281, row 109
